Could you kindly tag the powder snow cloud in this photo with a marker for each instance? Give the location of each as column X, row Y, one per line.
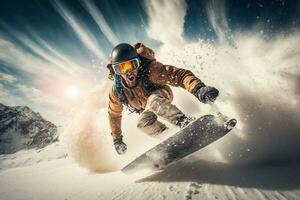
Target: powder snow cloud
column 258, row 79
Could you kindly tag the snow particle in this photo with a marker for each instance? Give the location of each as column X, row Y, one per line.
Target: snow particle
column 171, row 188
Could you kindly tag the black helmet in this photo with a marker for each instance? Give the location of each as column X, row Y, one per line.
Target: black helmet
column 122, row 52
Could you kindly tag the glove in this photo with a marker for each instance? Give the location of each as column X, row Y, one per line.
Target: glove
column 206, row 94
column 120, row 146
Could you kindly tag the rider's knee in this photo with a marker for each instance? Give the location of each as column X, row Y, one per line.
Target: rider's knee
column 149, row 124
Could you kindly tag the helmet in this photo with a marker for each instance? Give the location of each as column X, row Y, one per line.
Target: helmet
column 122, row 52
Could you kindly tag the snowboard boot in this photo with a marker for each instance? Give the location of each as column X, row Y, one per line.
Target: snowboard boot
column 183, row 121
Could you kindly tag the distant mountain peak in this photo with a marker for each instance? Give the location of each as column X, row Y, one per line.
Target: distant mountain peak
column 22, row 128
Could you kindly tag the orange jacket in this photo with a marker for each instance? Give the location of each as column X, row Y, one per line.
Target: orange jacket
column 160, row 75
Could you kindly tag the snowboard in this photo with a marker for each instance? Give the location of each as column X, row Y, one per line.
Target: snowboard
column 193, row 137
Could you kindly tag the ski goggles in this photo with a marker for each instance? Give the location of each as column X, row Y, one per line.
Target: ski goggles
column 127, row 66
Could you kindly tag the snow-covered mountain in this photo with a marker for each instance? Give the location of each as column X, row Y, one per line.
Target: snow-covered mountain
column 22, row 128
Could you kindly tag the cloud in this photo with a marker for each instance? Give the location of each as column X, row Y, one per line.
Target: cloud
column 33, row 94
column 18, row 94
column 2, row 92
column 45, row 50
column 83, row 34
column 50, row 71
column 47, row 88
column 101, row 22
column 42, row 52
column 217, row 17
column 7, row 77
column 23, row 60
column 166, row 21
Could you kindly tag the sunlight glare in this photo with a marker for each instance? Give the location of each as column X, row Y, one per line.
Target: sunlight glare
column 73, row 92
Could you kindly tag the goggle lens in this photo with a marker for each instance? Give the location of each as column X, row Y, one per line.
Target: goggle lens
column 123, row 68
column 126, row 67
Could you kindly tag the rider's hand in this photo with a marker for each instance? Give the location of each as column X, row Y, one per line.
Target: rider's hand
column 120, row 146
column 206, row 94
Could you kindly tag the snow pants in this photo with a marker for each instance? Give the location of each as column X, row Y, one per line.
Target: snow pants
column 158, row 105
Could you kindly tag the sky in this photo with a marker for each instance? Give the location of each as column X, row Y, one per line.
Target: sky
column 53, row 52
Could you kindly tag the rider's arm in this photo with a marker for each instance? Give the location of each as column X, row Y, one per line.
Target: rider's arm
column 177, row 77
column 115, row 109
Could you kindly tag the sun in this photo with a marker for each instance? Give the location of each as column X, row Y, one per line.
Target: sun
column 73, row 92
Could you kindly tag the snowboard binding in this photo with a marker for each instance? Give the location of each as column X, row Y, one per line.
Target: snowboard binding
column 230, row 124
column 227, row 122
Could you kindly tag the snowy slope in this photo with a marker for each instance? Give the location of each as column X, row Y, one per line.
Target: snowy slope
column 28, row 157
column 200, row 179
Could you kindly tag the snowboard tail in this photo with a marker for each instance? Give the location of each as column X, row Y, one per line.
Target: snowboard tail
column 193, row 137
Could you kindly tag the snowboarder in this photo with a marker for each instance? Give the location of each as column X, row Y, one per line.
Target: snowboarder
column 141, row 84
